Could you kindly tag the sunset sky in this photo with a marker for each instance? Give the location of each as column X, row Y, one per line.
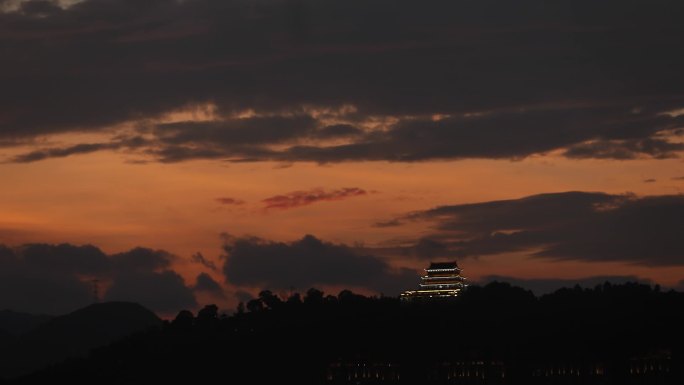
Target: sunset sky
column 186, row 152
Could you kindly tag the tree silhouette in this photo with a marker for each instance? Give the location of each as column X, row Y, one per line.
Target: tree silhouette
column 313, row 296
column 255, row 305
column 624, row 334
column 184, row 320
column 269, row 299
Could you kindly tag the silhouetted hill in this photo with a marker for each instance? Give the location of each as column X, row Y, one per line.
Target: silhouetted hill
column 6, row 339
column 20, row 323
column 13, row 325
column 75, row 334
column 497, row 334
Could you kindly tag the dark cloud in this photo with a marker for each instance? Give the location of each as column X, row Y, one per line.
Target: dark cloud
column 199, row 258
column 39, row 8
column 338, row 131
column 164, row 292
column 142, row 259
column 45, row 278
column 303, row 198
column 117, row 143
column 83, row 148
column 24, row 290
column 589, row 133
column 570, row 225
column 309, row 262
column 230, row 201
column 380, row 80
column 6, row 254
column 500, row 135
column 243, row 296
column 56, row 279
column 678, row 178
column 536, row 211
column 625, row 149
column 429, row 248
column 205, row 283
column 232, row 138
column 63, row 259
column 541, row 286
column 650, row 180
column 235, row 132
column 389, row 223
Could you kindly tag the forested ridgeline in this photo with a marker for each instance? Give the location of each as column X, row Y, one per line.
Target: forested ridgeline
column 629, row 333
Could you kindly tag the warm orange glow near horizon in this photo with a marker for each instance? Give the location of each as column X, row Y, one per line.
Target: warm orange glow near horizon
column 201, row 151
column 103, row 200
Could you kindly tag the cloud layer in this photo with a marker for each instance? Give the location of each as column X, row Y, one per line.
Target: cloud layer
column 309, row 262
column 345, row 81
column 56, row 279
column 562, row 226
column 303, row 198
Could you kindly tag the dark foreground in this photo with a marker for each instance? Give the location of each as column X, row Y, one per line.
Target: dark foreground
column 623, row 334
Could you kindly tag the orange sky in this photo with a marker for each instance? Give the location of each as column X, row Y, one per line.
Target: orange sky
column 170, row 124
column 106, row 200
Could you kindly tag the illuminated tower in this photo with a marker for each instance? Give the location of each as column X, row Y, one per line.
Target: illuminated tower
column 442, row 280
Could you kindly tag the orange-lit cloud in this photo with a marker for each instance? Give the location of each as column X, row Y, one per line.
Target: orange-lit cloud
column 303, row 198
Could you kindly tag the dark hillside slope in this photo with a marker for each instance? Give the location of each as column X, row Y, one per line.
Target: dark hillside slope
column 20, row 323
column 75, row 334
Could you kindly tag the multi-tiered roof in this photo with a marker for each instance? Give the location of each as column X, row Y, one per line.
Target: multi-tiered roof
column 441, row 280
